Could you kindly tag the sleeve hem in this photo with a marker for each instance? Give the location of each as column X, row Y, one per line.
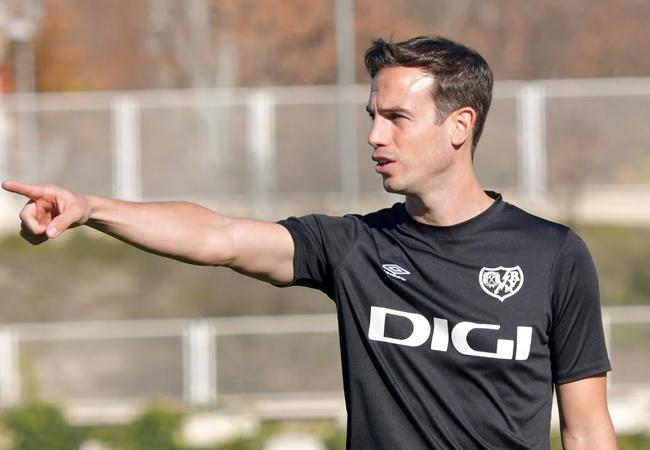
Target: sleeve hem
column 575, row 375
column 290, row 229
column 283, row 285
column 297, row 280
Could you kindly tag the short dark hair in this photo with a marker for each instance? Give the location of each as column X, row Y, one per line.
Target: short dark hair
column 461, row 77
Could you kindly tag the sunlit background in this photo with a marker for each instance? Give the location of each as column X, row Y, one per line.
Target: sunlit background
column 256, row 108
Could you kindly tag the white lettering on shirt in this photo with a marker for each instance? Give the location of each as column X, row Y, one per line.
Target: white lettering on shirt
column 505, row 348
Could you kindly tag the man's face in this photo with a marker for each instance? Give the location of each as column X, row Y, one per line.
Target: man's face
column 409, row 148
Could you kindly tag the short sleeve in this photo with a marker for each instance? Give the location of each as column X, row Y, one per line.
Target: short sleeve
column 320, row 244
column 577, row 341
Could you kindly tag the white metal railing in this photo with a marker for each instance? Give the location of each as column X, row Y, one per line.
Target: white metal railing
column 199, row 339
column 199, row 356
column 125, row 108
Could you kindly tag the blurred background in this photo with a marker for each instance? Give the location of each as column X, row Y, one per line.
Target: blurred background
column 257, row 109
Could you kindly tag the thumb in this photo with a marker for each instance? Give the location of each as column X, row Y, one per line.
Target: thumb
column 60, row 223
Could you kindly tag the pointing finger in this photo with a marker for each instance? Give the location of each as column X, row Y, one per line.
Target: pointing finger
column 28, row 190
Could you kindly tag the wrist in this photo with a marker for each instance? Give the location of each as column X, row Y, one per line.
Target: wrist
column 93, row 207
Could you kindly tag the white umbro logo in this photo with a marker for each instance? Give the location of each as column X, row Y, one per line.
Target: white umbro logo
column 395, row 271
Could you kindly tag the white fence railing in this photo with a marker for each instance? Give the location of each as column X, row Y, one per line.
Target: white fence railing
column 197, row 355
column 273, row 144
column 101, row 364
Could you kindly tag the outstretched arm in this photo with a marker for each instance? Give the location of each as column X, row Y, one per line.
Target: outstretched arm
column 179, row 230
column 584, row 418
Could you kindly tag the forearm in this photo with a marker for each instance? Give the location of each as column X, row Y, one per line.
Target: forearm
column 180, row 230
column 584, row 417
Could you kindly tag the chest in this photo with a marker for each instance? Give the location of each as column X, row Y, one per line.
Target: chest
column 469, row 298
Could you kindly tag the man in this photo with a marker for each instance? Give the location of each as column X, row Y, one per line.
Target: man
column 458, row 312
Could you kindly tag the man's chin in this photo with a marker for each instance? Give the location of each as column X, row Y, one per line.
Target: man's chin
column 392, row 188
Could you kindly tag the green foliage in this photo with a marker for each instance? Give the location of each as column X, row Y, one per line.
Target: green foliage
column 556, row 442
column 242, row 443
column 620, row 254
column 37, row 426
column 156, row 429
column 336, row 441
column 634, row 442
column 253, row 442
column 83, row 276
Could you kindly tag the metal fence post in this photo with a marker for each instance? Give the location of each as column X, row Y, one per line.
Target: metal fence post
column 261, row 149
column 346, row 111
column 126, row 148
column 9, row 369
column 347, row 141
column 531, row 141
column 199, row 364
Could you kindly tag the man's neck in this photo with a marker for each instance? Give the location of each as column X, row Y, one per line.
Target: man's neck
column 449, row 205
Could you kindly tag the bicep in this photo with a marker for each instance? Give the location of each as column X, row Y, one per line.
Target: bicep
column 262, row 250
column 584, row 415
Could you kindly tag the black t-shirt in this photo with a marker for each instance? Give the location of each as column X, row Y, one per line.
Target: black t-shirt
column 452, row 337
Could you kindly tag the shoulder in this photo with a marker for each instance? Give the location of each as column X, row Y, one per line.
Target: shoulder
column 379, row 218
column 349, row 224
column 536, row 227
column 385, row 217
column 553, row 242
column 564, row 246
column 534, row 222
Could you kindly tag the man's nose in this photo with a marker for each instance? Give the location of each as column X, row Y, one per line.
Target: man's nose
column 377, row 136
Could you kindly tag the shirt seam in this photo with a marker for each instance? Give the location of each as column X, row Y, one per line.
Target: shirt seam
column 552, row 272
column 284, row 223
column 347, row 253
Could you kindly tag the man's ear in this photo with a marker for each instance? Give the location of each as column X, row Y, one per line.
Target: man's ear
column 462, row 125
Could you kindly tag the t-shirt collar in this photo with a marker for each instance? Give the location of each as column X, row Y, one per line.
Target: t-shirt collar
column 468, row 226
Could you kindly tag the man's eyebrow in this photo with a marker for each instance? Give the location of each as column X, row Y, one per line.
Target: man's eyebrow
column 391, row 110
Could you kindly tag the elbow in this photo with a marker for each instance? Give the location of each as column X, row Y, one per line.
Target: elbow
column 218, row 247
column 211, row 244
column 208, row 253
column 601, row 436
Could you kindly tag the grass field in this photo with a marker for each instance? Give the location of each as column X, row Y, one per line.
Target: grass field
column 84, row 277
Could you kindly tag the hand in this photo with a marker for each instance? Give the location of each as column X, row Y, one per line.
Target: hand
column 49, row 212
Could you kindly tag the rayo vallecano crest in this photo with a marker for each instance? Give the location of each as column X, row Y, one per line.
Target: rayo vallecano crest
column 501, row 282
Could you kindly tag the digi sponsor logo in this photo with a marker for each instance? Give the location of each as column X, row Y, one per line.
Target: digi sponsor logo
column 439, row 333
column 501, row 282
column 395, row 271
